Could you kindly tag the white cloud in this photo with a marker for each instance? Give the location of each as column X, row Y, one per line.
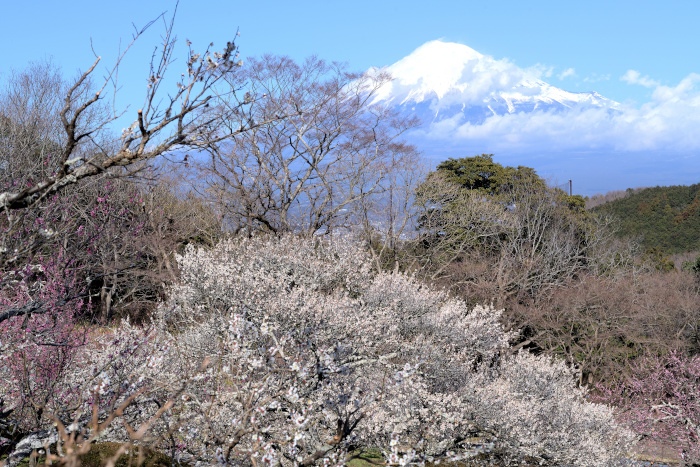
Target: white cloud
column 595, row 77
column 569, row 72
column 669, row 122
column 540, row 71
column 634, row 77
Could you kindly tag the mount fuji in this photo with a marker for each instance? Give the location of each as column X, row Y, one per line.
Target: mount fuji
column 444, row 80
column 469, row 103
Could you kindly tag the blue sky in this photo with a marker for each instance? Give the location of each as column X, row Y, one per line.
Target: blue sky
column 578, row 46
column 600, row 40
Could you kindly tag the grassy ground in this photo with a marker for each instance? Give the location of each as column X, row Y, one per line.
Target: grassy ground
column 100, row 453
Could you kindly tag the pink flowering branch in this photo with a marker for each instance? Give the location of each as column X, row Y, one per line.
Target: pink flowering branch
column 661, row 402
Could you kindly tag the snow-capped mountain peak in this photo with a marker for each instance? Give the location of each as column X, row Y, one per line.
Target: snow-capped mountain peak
column 435, row 66
column 439, row 79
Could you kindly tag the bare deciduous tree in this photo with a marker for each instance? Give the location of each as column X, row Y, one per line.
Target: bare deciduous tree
column 175, row 118
column 389, row 219
column 305, row 172
column 602, row 324
column 528, row 236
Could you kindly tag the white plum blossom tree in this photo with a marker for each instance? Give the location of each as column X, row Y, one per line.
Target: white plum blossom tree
column 293, row 351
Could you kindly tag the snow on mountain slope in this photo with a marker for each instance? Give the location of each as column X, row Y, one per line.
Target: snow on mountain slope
column 441, row 79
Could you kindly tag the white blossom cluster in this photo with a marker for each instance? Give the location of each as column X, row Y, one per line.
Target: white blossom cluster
column 291, row 351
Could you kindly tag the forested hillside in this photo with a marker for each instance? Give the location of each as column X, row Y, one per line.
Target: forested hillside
column 666, row 218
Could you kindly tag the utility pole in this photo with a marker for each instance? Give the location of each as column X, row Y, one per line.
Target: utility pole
column 570, row 192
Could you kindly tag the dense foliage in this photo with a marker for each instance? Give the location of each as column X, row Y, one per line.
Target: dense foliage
column 532, row 237
column 665, row 218
column 482, row 174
